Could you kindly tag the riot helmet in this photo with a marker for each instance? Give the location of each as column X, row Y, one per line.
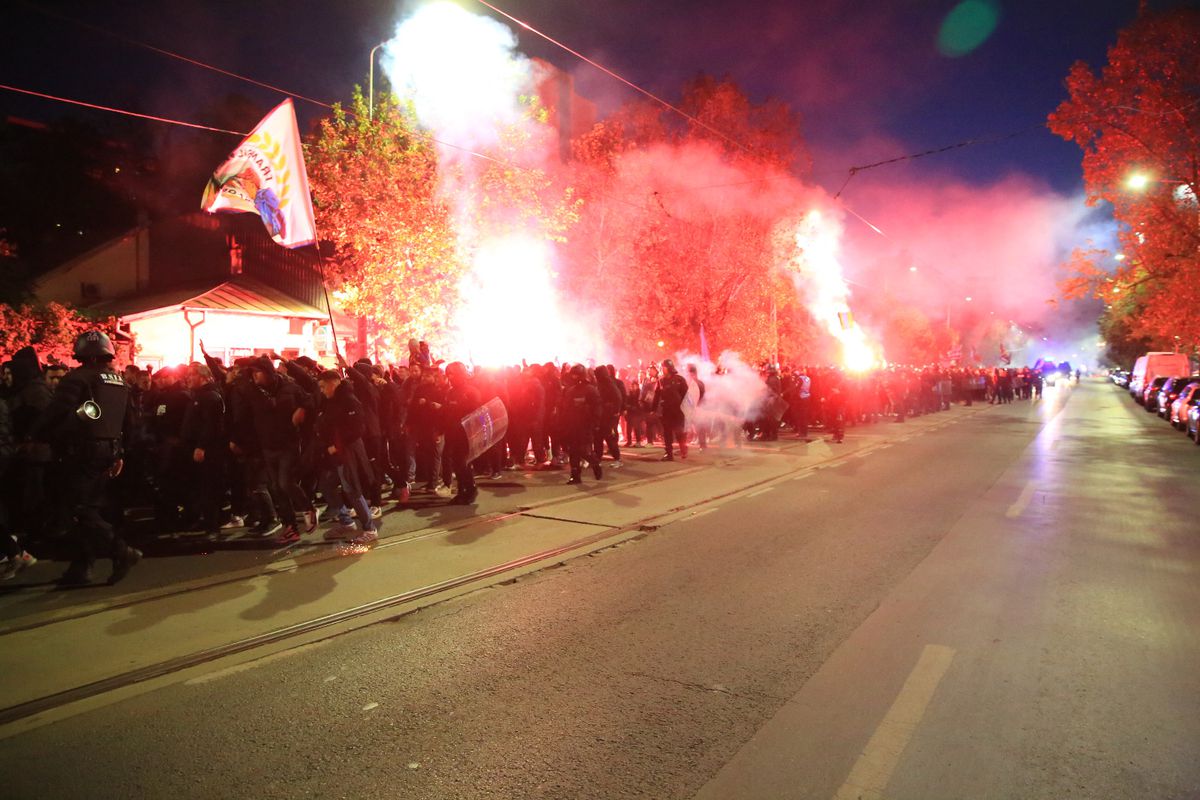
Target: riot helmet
column 94, row 345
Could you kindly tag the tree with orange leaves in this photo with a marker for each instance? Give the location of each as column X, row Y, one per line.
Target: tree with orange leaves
column 1138, row 123
column 674, row 253
column 374, row 180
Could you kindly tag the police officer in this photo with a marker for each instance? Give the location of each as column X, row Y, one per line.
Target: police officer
column 86, row 421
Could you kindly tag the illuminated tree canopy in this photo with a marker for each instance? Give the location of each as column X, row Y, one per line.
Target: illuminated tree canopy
column 1138, row 123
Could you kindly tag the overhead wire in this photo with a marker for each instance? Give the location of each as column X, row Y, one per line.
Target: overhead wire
column 219, row 70
column 117, row 110
column 614, row 75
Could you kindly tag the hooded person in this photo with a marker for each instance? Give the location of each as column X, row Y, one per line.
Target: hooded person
column 29, row 397
column 279, row 407
column 461, row 399
column 581, row 413
column 346, row 468
column 668, row 401
column 611, row 401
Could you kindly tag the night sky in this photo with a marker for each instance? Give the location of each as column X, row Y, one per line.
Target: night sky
column 868, row 79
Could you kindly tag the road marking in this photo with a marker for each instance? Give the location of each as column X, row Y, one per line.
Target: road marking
column 761, row 491
column 1022, row 502
column 704, row 511
column 873, row 769
column 802, row 476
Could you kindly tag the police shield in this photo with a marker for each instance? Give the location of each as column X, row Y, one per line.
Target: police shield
column 485, row 426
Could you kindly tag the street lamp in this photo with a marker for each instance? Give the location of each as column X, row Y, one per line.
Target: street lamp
column 1138, row 181
column 371, row 83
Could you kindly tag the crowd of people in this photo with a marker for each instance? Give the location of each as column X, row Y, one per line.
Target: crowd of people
column 262, row 443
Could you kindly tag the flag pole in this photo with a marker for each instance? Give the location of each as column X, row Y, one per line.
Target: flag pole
column 328, row 306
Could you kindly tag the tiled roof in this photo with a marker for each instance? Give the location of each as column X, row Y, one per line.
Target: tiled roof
column 240, row 295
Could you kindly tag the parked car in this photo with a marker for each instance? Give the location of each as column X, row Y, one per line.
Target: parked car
column 1149, row 399
column 1169, row 393
column 1179, row 408
column 1120, row 377
column 1153, row 365
column 1193, row 423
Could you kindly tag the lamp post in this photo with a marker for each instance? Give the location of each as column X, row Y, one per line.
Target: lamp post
column 371, row 83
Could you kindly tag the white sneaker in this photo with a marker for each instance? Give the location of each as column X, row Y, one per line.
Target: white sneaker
column 365, row 538
column 442, row 491
column 376, row 512
column 615, row 465
column 234, row 522
column 15, row 564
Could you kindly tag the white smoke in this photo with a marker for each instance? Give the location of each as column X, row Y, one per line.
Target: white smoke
column 462, row 72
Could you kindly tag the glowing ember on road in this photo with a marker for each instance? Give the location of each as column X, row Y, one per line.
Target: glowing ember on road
column 818, row 274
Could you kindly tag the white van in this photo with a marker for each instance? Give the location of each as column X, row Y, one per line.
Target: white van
column 1155, row 365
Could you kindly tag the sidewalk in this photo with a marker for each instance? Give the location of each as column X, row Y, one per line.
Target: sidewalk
column 523, row 524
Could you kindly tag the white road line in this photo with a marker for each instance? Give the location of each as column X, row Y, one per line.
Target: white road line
column 704, row 511
column 802, row 476
column 1022, row 502
column 871, row 772
column 761, row 491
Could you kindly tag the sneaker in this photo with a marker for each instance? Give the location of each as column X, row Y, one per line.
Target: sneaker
column 15, row 564
column 266, row 529
column 667, row 458
column 234, row 522
column 376, row 512
column 495, row 476
column 289, row 535
column 339, row 533
column 616, row 465
column 573, row 481
column 310, row 520
column 442, row 491
column 597, row 471
column 122, row 563
column 401, row 495
column 365, row 538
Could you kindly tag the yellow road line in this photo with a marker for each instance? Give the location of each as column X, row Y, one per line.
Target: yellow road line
column 873, row 769
column 1022, row 501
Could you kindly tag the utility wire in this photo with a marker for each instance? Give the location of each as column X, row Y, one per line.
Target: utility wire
column 169, row 53
column 195, row 62
column 620, row 78
column 117, row 110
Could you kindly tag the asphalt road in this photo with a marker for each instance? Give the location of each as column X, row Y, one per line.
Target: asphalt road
column 1003, row 607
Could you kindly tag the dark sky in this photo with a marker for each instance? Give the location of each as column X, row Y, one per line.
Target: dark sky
column 994, row 220
column 866, row 76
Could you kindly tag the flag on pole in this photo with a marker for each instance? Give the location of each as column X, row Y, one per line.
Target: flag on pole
column 265, row 175
column 703, row 344
column 846, row 319
column 1005, row 356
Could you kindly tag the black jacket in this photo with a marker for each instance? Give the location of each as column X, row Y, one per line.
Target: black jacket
column 204, row 422
column 272, row 407
column 340, row 421
column 580, row 409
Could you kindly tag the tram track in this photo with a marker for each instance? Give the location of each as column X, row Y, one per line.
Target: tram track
column 344, row 620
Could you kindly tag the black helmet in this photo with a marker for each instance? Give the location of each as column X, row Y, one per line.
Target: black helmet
column 579, row 372
column 94, row 344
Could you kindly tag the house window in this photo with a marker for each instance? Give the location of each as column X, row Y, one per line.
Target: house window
column 89, row 291
column 296, row 326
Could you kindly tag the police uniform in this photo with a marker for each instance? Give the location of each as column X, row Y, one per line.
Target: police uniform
column 86, row 421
